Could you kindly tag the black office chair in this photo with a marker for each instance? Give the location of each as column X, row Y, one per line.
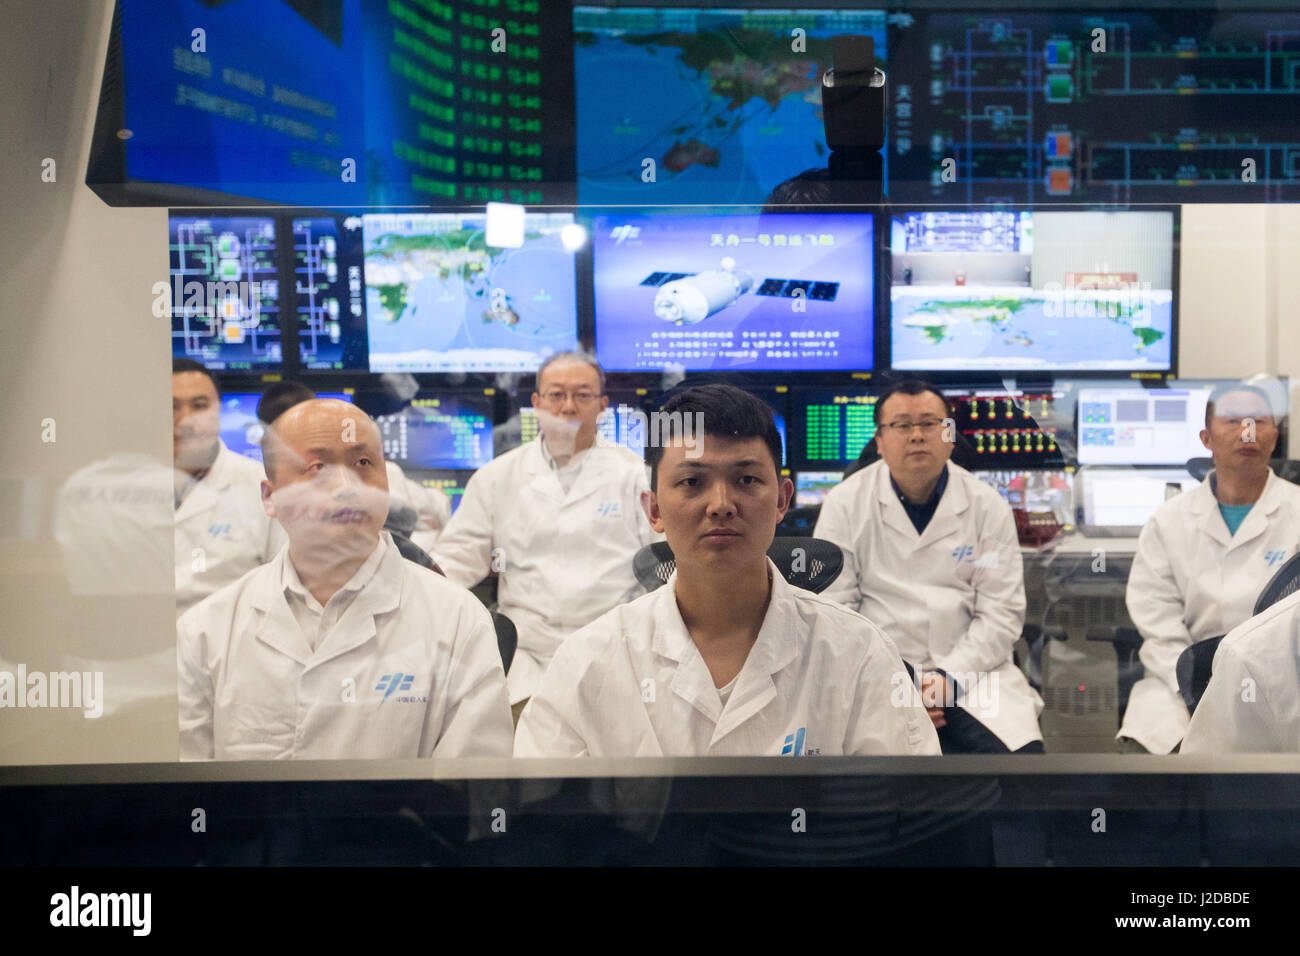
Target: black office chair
column 1283, row 584
column 507, row 638
column 808, row 563
column 399, row 524
column 1198, row 468
column 1193, row 670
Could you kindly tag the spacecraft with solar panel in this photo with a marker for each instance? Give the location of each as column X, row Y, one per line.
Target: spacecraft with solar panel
column 688, row 298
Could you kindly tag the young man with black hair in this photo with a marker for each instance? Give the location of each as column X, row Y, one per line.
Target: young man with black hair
column 727, row 658
column 221, row 531
column 932, row 556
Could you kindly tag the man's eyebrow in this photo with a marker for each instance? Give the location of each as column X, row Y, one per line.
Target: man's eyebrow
column 700, row 465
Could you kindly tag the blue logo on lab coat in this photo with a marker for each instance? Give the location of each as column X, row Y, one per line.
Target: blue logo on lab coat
column 608, row 509
column 794, row 743
column 221, row 531
column 962, row 552
column 394, row 682
column 1274, row 557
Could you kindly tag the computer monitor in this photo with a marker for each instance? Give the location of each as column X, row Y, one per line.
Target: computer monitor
column 240, row 429
column 329, row 294
column 1009, row 290
column 810, row 487
column 1117, row 502
column 225, row 291
column 440, row 299
column 450, row 481
column 776, row 292
column 833, row 426
column 1141, row 426
column 441, row 431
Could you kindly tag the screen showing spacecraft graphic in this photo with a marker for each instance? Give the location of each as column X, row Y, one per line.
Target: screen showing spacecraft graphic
column 1017, row 290
column 438, row 298
column 225, row 292
column 330, row 294
column 788, row 292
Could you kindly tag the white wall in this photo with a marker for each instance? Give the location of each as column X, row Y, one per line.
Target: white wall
column 81, row 347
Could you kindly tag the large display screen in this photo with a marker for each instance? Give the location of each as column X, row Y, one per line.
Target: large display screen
column 329, row 103
column 440, row 299
column 241, row 430
column 225, row 291
column 986, row 289
column 736, row 104
column 787, row 292
column 836, row 425
column 329, row 293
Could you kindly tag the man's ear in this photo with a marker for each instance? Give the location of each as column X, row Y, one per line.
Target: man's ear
column 268, row 504
column 785, row 495
column 650, row 505
column 1205, row 438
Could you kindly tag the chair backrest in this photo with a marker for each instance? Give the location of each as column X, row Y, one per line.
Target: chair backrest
column 1198, row 468
column 799, row 522
column 1284, row 583
column 808, row 563
column 507, row 638
column 1193, row 670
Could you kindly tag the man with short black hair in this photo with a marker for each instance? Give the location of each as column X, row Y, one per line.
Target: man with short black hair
column 558, row 519
column 1203, row 558
column 727, row 658
column 931, row 555
column 221, row 530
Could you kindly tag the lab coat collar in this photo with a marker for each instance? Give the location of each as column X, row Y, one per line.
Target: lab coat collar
column 207, row 490
column 1206, row 505
column 774, row 649
column 946, row 517
column 380, row 593
column 592, row 474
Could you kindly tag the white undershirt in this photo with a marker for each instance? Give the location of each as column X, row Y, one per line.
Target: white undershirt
column 725, row 692
column 314, row 620
column 567, row 473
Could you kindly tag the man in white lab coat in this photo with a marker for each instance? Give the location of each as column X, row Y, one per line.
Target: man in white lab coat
column 931, row 555
column 559, row 519
column 727, row 658
column 1204, row 557
column 1252, row 704
column 340, row 647
column 221, row 530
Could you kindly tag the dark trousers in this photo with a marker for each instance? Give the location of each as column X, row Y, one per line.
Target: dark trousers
column 963, row 734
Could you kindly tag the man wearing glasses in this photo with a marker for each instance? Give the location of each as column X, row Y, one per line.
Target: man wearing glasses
column 931, row 556
column 1203, row 558
column 558, row 519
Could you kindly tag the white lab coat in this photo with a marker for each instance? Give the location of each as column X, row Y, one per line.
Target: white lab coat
column 431, row 505
column 222, row 531
column 1252, row 704
column 1192, row 581
column 563, row 559
column 819, row 679
column 953, row 598
column 251, row 688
